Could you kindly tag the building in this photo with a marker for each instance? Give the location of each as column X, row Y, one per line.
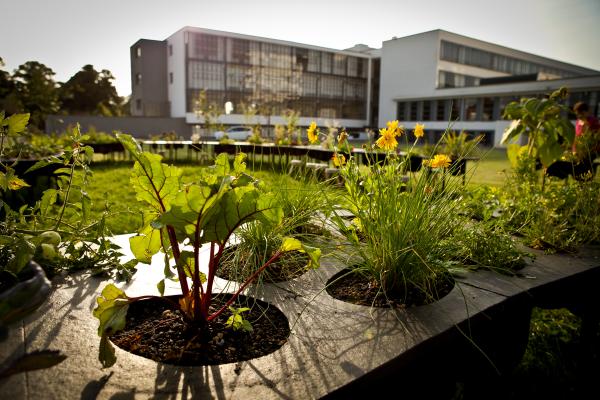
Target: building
column 441, row 78
column 437, row 77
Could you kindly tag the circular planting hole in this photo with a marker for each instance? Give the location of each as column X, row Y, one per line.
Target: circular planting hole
column 353, row 287
column 155, row 329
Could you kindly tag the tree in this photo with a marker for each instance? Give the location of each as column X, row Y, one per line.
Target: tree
column 37, row 91
column 91, row 92
column 9, row 99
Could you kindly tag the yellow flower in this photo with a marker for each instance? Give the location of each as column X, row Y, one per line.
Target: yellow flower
column 394, row 129
column 440, row 161
column 313, row 133
column 419, row 130
column 338, row 160
column 387, row 141
column 342, row 137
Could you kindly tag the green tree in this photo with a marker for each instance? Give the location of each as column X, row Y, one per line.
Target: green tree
column 37, row 91
column 9, row 99
column 91, row 92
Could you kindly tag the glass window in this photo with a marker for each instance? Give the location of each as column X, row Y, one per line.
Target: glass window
column 206, row 75
column 426, row 111
column 487, row 110
column 412, row 111
column 441, row 111
column 454, row 109
column 326, row 63
column 138, row 78
column 275, row 55
column 331, row 86
column 352, row 66
column 138, row 52
column 470, row 109
column 238, row 51
column 339, row 64
column 314, row 61
column 354, row 89
column 138, row 104
column 208, row 47
column 301, row 59
column 400, row 110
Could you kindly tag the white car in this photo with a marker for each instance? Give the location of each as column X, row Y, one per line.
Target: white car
column 235, row 133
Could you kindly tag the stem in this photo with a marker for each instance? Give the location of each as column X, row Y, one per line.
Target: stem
column 274, row 258
column 176, row 254
column 64, row 206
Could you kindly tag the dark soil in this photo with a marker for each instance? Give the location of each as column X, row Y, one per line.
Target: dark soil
column 356, row 288
column 291, row 265
column 155, row 329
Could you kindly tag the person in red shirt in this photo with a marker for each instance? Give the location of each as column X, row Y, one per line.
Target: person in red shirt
column 587, row 131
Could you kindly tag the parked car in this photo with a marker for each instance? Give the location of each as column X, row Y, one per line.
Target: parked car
column 235, row 133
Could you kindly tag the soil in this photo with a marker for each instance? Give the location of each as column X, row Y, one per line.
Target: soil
column 356, row 288
column 155, row 329
column 291, row 265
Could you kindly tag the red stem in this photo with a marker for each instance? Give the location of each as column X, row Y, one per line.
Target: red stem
column 236, row 294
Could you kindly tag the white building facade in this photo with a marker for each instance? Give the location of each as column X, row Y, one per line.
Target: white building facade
column 438, row 78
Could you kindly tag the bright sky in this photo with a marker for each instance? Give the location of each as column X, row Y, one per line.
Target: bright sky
column 67, row 34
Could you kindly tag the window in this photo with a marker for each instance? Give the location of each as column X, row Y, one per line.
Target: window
column 352, row 66
column 339, row 64
column 301, row 56
column 331, row 86
column 238, row 51
column 326, row 62
column 426, row 111
column 487, row 109
column 138, row 52
column 441, row 111
column 206, row 75
column 208, row 47
column 138, row 104
column 470, row 109
column 138, row 78
column 170, row 77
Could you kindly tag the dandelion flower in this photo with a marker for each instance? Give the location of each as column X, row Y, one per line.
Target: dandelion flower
column 338, row 160
column 419, row 130
column 440, row 161
column 313, row 133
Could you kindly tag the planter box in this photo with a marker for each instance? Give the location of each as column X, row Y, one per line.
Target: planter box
column 336, row 349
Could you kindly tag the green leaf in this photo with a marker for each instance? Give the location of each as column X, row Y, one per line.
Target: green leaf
column 24, row 254
column 146, row 244
column 221, row 167
column 86, row 206
column 17, row 123
column 106, row 353
column 291, row 244
column 48, row 200
column 186, row 261
column 239, row 166
column 111, row 310
column 186, row 208
column 161, row 287
column 155, row 183
column 45, row 162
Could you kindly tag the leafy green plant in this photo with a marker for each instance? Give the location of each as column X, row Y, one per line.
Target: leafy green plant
column 543, row 122
column 459, row 145
column 206, row 212
column 237, row 321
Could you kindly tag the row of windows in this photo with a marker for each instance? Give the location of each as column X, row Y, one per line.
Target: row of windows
column 452, row 80
column 248, row 52
column 218, row 76
column 484, row 59
column 477, row 108
column 311, row 107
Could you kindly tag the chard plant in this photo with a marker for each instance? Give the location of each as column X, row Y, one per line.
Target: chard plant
column 206, row 212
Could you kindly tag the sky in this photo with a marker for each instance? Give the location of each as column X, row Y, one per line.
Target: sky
column 65, row 35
